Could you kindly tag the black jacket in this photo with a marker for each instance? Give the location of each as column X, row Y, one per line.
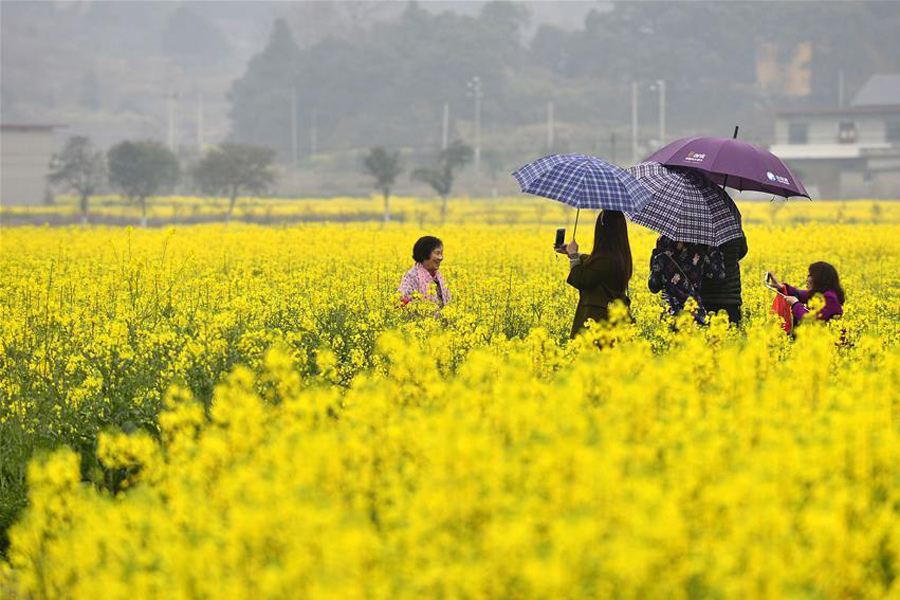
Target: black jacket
column 727, row 291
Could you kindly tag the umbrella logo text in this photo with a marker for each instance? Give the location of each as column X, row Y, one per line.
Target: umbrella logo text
column 695, row 157
column 778, row 178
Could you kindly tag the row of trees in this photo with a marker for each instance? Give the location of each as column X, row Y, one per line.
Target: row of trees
column 384, row 166
column 143, row 169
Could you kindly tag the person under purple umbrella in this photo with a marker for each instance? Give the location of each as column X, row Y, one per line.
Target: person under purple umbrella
column 732, row 162
column 724, row 294
column 686, row 206
column 678, row 270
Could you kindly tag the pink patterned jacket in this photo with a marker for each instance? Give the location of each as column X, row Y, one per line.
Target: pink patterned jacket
column 418, row 279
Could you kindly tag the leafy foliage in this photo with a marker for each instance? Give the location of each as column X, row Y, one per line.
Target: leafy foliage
column 261, row 100
column 141, row 169
column 389, row 81
column 233, row 169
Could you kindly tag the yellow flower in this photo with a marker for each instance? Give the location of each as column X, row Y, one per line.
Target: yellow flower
column 292, row 432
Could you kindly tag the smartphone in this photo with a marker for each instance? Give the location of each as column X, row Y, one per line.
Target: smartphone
column 769, row 283
column 560, row 237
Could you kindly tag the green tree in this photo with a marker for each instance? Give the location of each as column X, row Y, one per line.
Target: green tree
column 384, row 166
column 79, row 168
column 261, row 99
column 233, row 169
column 141, row 169
column 440, row 177
column 389, row 84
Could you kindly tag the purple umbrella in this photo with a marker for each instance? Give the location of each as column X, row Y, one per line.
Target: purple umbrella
column 731, row 162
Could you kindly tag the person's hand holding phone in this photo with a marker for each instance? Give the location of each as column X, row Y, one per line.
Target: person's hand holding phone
column 772, row 280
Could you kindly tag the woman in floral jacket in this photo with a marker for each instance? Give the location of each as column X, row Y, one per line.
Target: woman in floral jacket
column 424, row 280
column 678, row 268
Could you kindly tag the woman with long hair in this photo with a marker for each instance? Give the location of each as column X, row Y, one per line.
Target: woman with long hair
column 602, row 276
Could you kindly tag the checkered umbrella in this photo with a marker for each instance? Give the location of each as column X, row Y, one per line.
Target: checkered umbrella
column 685, row 206
column 582, row 182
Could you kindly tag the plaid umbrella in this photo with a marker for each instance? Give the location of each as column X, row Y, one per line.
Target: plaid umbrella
column 685, row 206
column 582, row 182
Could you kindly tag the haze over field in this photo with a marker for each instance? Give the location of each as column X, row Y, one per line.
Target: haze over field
column 320, row 82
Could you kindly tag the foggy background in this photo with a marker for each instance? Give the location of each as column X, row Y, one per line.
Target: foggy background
column 322, row 82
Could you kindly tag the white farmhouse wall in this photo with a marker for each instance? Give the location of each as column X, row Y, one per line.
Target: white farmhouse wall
column 823, row 129
column 24, row 163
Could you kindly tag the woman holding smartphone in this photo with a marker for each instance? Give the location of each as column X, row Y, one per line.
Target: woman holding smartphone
column 602, row 276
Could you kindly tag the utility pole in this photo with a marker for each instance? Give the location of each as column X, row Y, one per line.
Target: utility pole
column 200, row 122
column 314, row 133
column 295, row 145
column 661, row 85
column 176, row 134
column 550, row 126
column 634, row 122
column 170, row 105
column 841, row 88
column 476, row 93
column 445, row 127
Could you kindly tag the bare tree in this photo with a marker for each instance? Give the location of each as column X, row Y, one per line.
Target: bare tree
column 79, row 168
column 441, row 176
column 384, row 166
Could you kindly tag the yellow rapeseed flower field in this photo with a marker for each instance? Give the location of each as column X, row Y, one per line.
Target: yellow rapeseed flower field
column 242, row 411
column 421, row 211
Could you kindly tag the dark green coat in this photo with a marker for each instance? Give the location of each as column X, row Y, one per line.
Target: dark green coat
column 599, row 283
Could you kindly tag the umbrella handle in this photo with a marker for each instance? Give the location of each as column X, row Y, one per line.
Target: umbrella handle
column 574, row 229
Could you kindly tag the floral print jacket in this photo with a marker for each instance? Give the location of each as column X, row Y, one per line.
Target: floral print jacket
column 678, row 268
column 428, row 286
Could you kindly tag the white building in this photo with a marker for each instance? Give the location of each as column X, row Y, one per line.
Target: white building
column 849, row 152
column 25, row 153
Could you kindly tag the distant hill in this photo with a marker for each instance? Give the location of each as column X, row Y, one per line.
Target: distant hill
column 369, row 73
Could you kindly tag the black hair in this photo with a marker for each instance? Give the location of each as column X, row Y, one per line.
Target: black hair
column 424, row 246
column 825, row 279
column 611, row 239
